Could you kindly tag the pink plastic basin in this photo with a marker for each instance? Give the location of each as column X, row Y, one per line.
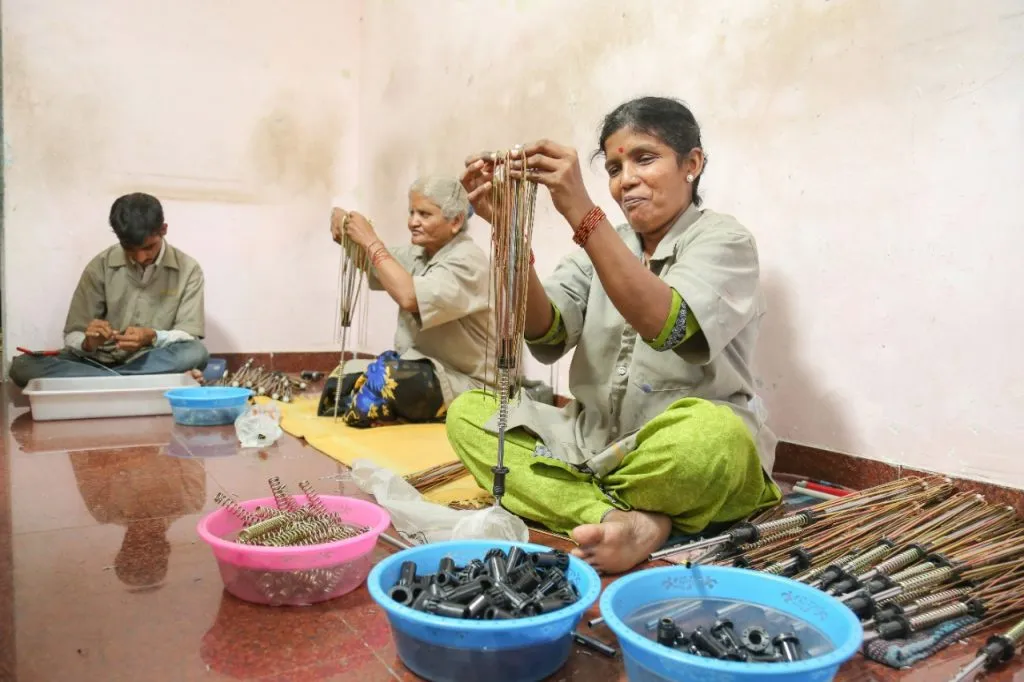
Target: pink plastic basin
column 294, row 576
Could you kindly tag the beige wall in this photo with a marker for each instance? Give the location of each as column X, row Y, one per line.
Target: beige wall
column 873, row 147
column 239, row 116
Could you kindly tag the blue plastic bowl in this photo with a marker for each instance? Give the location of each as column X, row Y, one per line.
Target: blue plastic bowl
column 648, row 661
column 452, row 650
column 207, row 405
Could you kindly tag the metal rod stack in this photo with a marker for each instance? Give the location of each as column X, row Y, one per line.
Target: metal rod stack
column 276, row 385
column 436, row 476
column 905, row 556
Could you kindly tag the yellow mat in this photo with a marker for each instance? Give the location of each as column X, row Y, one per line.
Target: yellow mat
column 404, row 449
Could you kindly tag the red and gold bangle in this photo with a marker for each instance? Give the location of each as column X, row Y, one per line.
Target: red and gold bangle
column 532, row 259
column 378, row 253
column 590, row 221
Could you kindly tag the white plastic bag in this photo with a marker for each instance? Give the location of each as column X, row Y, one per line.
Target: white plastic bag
column 415, row 517
column 259, row 426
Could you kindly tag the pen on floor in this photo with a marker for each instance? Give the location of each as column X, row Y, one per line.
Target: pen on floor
column 817, row 494
column 594, row 622
column 821, row 488
column 818, row 481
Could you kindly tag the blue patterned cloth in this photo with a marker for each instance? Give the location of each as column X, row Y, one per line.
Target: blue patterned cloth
column 372, row 399
column 903, row 653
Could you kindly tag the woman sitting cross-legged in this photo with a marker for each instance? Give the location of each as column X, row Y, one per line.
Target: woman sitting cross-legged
column 440, row 282
column 663, row 314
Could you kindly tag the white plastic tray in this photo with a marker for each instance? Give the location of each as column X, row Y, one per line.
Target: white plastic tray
column 91, row 397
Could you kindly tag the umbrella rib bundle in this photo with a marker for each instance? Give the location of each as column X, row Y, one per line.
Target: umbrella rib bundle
column 513, row 201
column 905, row 556
column 351, row 277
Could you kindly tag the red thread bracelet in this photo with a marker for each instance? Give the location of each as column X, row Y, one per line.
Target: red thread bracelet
column 532, row 259
column 590, row 221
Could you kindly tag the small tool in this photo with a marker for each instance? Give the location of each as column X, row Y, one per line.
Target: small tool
column 38, row 353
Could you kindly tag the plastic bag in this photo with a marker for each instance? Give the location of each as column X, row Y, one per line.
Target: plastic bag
column 414, row 517
column 259, row 426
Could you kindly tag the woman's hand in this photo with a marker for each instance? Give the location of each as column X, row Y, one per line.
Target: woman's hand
column 338, row 217
column 476, row 178
column 359, row 230
column 557, row 168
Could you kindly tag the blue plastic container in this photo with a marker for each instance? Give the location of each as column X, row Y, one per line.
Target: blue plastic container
column 443, row 649
column 215, row 369
column 207, row 405
column 648, row 661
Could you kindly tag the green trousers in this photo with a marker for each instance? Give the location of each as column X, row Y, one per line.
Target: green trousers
column 696, row 462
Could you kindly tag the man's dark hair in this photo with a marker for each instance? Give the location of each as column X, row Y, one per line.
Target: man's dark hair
column 134, row 217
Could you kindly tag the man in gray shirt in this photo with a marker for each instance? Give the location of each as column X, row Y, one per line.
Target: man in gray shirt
column 138, row 307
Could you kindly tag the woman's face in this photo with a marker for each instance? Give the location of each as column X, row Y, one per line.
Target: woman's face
column 647, row 180
column 429, row 228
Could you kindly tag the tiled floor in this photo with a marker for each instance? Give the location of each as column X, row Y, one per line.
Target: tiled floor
column 102, row 575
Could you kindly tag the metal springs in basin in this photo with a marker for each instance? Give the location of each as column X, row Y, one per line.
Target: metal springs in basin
column 290, row 524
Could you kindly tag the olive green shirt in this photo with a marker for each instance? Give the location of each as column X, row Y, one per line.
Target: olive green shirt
column 619, row 381
column 454, row 322
column 112, row 289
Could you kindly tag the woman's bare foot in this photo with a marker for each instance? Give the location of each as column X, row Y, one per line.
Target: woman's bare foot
column 622, row 540
column 197, row 375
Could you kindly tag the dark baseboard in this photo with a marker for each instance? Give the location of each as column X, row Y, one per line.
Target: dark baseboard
column 860, row 472
column 292, row 362
column 790, row 458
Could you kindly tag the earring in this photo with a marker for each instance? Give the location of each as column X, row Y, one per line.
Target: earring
column 689, row 178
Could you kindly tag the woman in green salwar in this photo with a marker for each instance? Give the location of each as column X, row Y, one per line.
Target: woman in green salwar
column 662, row 314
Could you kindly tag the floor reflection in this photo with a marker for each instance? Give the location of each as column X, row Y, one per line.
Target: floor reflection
column 144, row 491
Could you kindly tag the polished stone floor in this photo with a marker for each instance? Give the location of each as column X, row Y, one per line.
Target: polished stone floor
column 103, row 577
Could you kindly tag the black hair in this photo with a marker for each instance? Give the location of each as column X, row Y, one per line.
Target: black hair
column 665, row 118
column 135, row 217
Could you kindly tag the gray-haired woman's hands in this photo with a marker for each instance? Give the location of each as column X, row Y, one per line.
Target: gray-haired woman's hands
column 338, row 217
column 358, row 228
column 476, row 178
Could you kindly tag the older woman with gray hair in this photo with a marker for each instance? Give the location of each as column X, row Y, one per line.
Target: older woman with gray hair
column 440, row 282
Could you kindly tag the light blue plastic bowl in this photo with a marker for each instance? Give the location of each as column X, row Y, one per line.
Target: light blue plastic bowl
column 207, row 405
column 648, row 661
column 452, row 650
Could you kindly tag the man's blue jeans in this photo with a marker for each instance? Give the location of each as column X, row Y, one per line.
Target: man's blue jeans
column 174, row 358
